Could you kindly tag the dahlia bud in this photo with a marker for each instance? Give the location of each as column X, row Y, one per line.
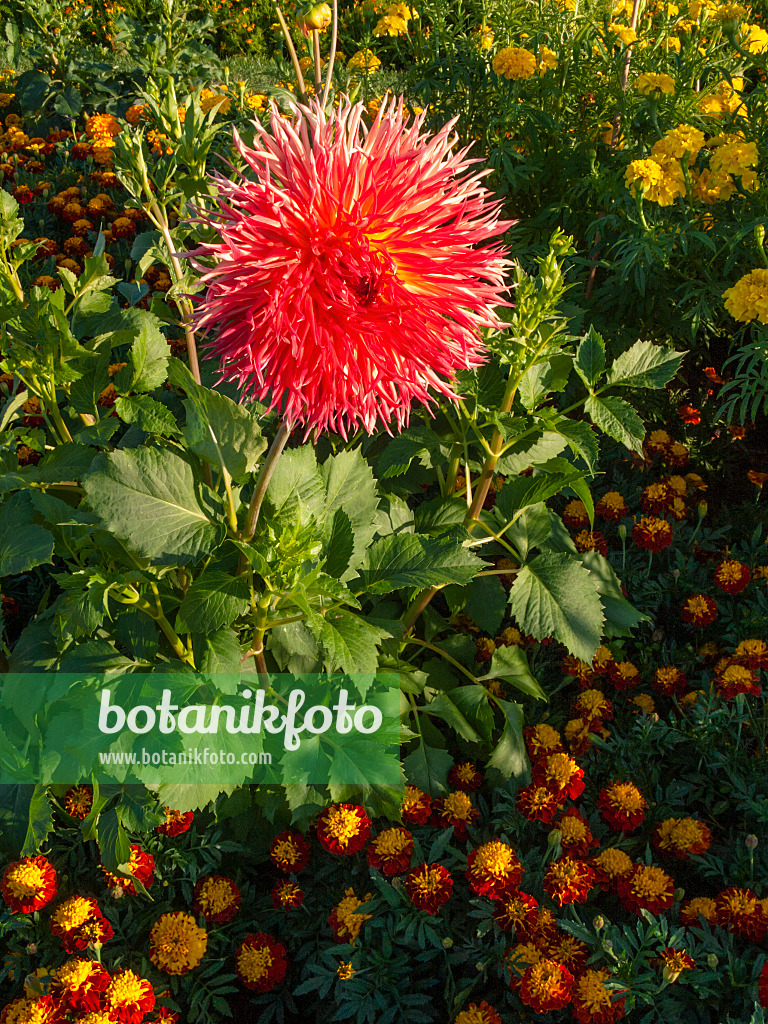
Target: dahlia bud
column 713, row 960
column 447, row 942
column 598, row 923
column 317, row 17
column 751, row 842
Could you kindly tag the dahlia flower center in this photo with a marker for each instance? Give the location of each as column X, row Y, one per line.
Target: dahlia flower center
column 458, row 805
column 25, row 880
column 216, row 896
column 125, row 989
column 493, row 859
column 649, row 883
column 343, row 825
column 254, row 962
column 392, row 842
column 626, row 797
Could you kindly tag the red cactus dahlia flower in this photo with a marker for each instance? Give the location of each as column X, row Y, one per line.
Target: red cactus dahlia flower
column 353, row 273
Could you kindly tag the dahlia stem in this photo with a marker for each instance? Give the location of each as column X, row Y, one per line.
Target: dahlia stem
column 318, row 60
column 267, row 469
column 293, row 55
column 332, row 54
column 625, row 73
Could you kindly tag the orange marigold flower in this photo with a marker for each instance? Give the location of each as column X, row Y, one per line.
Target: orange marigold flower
column 44, row 1010
column 99, row 126
column 578, row 732
column 592, row 704
column 677, row 456
column 568, row 881
column 79, row 923
column 289, row 852
column 518, row 958
column 261, row 962
column 682, row 837
column 465, row 776
column 694, row 909
column 655, row 498
column 416, row 808
column 652, row 534
column 177, row 943
column 493, row 870
column 390, row 851
column 622, row 806
column 740, row 912
column 624, row 675
column 593, row 1002
column 699, row 611
column 647, row 888
column 343, row 829
column 734, row 679
column 611, row 507
column 345, row 919
column 542, row 739
column 732, row 576
column 29, row 884
column 575, row 515
column 128, row 997
column 478, row 1013
column 454, row 811
column 561, row 774
column 176, row 822
column 429, row 887
column 576, row 837
column 688, row 414
column 546, row 986
column 22, row 194
column 141, row 866
column 591, row 540
column 538, row 803
column 669, row 681
column 517, row 912
column 675, row 962
column 758, row 479
column 78, row 985
column 78, row 801
column 216, row 898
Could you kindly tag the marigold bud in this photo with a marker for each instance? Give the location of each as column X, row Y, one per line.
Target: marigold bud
column 447, row 942
column 751, row 842
column 607, row 945
column 598, row 923
column 713, row 960
column 622, row 531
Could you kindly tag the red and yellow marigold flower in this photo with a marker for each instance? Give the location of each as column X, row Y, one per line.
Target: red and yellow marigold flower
column 591, row 705
column 78, row 801
column 656, row 498
column 622, row 806
column 669, row 681
column 647, row 888
column 699, row 610
column 416, row 808
column 611, row 507
column 624, row 675
column 602, row 661
column 29, row 884
column 517, row 912
column 289, row 852
column 79, row 923
column 568, row 881
column 478, row 1013
column 177, row 943
column 546, row 986
column 733, row 679
column 176, row 822
column 78, row 985
column 128, row 997
column 572, row 666
column 699, row 906
column 652, row 534
column 560, row 774
column 595, row 1003
column 542, row 740
column 345, row 919
column 682, row 837
column 328, row 290
column 518, row 958
column 752, row 654
column 100, row 126
column 740, row 912
column 493, row 870
column 261, row 962
column 538, row 803
column 567, row 950
column 591, row 540
column 675, row 961
column 610, row 866
column 576, row 837
column 216, row 898
column 454, row 811
column 732, row 576
column 44, row 1010
column 343, row 829
column 465, row 776
column 657, row 442
column 575, row 515
column 390, row 851
column 287, row 895
column 141, row 866
column 429, row 887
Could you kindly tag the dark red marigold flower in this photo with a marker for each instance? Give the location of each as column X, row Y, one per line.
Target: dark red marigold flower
column 546, row 986
column 261, row 962
column 329, row 288
column 517, row 912
column 561, row 774
column 78, row 801
column 602, row 661
column 343, row 829
column 682, row 838
column 346, row 919
column 390, row 851
column 141, row 866
column 740, row 912
column 572, row 666
column 568, row 881
column 733, row 679
column 576, row 839
column 22, row 194
column 752, row 653
column 566, row 950
column 675, row 961
column 79, row 923
column 537, row 803
column 429, row 887
column 699, row 611
column 216, row 898
column 478, row 1013
column 624, row 675
column 591, row 540
column 493, row 870
column 575, row 515
column 622, row 806
column 609, row 866
column 454, row 811
column 595, row 1003
column 465, row 776
column 176, row 822
column 289, row 852
column 656, row 498
column 669, row 681
column 416, row 808
column 652, row 534
column 611, row 507
column 286, row 895
column 29, row 884
column 542, row 740
column 647, row 888
column 592, row 704
column 732, row 576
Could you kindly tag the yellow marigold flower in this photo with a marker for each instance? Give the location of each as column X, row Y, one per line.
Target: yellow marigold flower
column 345, row 971
column 650, row 83
column 6, row 98
column 672, row 43
column 659, row 183
column 547, row 60
column 176, row 943
column 681, row 140
column 484, row 38
column 210, row 99
column 748, row 299
column 626, row 34
column 515, row 63
column 728, row 12
column 403, row 11
column 644, row 702
column 757, row 39
column 256, row 101
column 390, row 25
column 734, row 157
column 344, row 920
column 102, row 126
column 365, row 61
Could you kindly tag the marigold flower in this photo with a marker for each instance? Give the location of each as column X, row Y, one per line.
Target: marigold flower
column 79, row 923
column 390, row 851
column 478, row 1013
column 602, row 660
column 699, row 611
column 517, row 912
column 33, row 1011
column 261, row 962
column 624, row 675
column 650, row 83
column 335, row 307
column 29, row 884
column 568, row 881
column 658, row 182
column 575, row 515
column 538, row 803
column 658, row 442
column 566, row 950
column 546, row 986
column 345, row 920
column 141, row 866
column 740, row 912
column 700, row 906
column 343, row 829
column 365, row 61
column 177, row 944
column 655, row 498
column 465, row 776
column 591, row 540
column 493, row 870
column 669, row 681
column 682, row 837
column 679, row 141
column 752, row 653
column 289, row 852
column 287, row 895
column 515, row 63
column 345, row 971
column 732, row 576
column 176, row 822
column 561, row 774
column 578, row 732
column 622, row 806
column 576, row 837
column 78, row 985
column 647, row 888
column 216, row 898
column 519, row 958
column 593, row 1002
column 416, row 808
column 99, row 126
column 454, row 811
column 128, row 997
column 542, row 739
column 652, row 534
column 611, row 507
column 748, row 299
column 429, row 887
column 675, row 961
column 734, row 679
column 592, row 704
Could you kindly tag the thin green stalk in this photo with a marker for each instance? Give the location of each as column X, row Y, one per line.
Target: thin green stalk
column 447, row 657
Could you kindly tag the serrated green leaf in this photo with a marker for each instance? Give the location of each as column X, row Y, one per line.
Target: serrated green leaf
column 147, row 363
column 147, row 414
column 590, row 358
column 617, row 419
column 349, row 643
column 410, row 560
column 339, row 549
column 511, row 665
column 403, row 449
column 39, row 822
column 645, row 365
column 23, row 544
column 443, row 707
column 510, row 756
column 427, row 768
column 213, row 600
column 486, row 603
